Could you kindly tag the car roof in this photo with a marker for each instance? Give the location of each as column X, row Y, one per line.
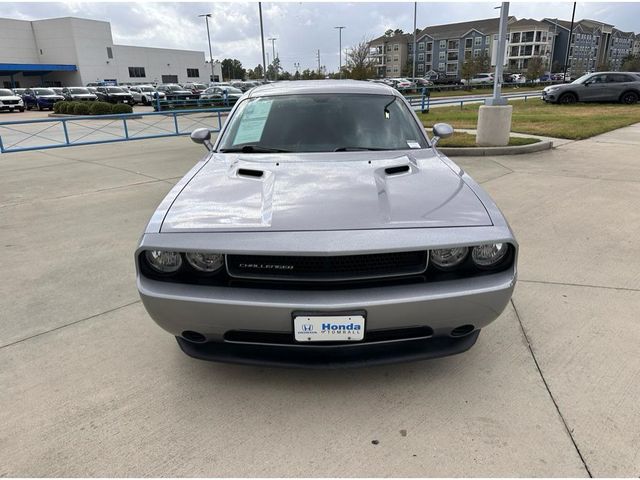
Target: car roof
column 306, row 87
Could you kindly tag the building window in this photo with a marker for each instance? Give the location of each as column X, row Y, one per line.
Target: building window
column 396, row 58
column 478, row 41
column 468, row 43
column 109, row 52
column 487, row 39
column 441, row 66
column 421, row 57
column 476, row 52
column 428, row 57
column 396, row 47
column 421, row 67
column 454, row 44
column 441, row 55
column 136, row 72
column 193, row 73
column 421, row 46
column 515, row 37
column 514, row 51
column 395, row 69
column 452, row 56
column 452, row 67
column 429, row 46
column 388, row 48
column 538, row 36
column 443, row 44
column 388, row 58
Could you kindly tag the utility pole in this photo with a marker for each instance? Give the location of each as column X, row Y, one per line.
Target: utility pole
column 264, row 63
column 273, row 58
column 415, row 54
column 502, row 45
column 566, row 58
column 319, row 71
column 340, row 43
column 206, row 18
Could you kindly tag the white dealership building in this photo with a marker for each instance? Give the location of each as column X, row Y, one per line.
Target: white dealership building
column 75, row 51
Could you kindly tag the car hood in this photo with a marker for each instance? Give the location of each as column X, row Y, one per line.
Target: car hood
column 353, row 190
column 10, row 97
column 51, row 97
column 119, row 94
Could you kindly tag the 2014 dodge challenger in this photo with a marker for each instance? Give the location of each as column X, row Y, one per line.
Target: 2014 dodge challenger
column 324, row 229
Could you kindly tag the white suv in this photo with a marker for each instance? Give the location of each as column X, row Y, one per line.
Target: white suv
column 479, row 79
column 145, row 94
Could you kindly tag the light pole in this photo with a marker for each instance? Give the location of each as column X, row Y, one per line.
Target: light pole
column 273, row 58
column 415, row 54
column 206, row 18
column 264, row 64
column 340, row 43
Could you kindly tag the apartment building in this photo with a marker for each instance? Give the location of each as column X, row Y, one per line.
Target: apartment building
column 620, row 47
column 636, row 45
column 443, row 48
column 390, row 54
column 529, row 38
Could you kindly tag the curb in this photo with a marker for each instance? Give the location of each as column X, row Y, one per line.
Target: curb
column 487, row 151
column 96, row 117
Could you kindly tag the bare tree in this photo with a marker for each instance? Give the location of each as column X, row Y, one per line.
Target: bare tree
column 360, row 65
column 535, row 68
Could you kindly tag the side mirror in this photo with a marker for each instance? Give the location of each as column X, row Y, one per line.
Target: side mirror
column 441, row 130
column 203, row 137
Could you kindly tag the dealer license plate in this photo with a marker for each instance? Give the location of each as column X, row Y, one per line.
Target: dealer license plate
column 344, row 328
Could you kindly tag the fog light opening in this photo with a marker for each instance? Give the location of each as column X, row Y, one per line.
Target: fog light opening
column 462, row 330
column 194, row 337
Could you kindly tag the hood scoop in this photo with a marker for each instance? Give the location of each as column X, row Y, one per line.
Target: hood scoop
column 248, row 172
column 396, row 170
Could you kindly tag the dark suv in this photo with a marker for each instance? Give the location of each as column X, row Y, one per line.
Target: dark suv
column 176, row 92
column 114, row 95
column 40, row 98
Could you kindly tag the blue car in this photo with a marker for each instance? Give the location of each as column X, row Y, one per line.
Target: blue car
column 40, row 98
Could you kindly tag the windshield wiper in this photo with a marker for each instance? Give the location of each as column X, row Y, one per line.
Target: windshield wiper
column 253, row 149
column 355, row 149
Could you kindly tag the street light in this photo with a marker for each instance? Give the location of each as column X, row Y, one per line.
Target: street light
column 264, row 63
column 206, row 18
column 340, row 40
column 273, row 50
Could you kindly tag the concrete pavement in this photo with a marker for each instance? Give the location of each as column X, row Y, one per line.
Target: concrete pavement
column 92, row 387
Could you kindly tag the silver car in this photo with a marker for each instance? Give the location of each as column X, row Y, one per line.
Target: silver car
column 324, row 229
column 621, row 87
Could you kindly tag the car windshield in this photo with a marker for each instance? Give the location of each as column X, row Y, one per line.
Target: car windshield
column 5, row 93
column 146, row 89
column 174, row 88
column 322, row 123
column 79, row 90
column 44, row 91
column 115, row 90
column 581, row 79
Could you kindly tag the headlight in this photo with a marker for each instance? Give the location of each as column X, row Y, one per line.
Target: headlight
column 164, row 261
column 489, row 255
column 205, row 262
column 447, row 258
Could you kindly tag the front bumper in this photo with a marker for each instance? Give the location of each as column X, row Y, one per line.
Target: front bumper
column 549, row 97
column 348, row 356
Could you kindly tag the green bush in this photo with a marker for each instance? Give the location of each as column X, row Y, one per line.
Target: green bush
column 101, row 108
column 122, row 108
column 81, row 108
column 59, row 107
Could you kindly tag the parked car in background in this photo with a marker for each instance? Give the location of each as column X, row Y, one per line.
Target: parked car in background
column 93, row 90
column 175, row 92
column 58, row 90
column 421, row 82
column 145, row 94
column 10, row 101
column 194, row 87
column 78, row 94
column 40, row 98
column 323, row 228
column 114, row 95
column 19, row 91
column 479, row 79
column 217, row 95
column 243, row 86
column 621, row 87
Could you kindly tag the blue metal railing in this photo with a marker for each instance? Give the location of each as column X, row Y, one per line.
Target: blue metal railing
column 424, row 102
column 46, row 133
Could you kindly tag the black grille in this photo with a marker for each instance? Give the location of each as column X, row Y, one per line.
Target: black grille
column 329, row 268
column 10, row 102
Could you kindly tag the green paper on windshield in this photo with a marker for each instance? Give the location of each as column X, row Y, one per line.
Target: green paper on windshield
column 252, row 122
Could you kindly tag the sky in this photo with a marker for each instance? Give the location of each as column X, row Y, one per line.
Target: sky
column 301, row 29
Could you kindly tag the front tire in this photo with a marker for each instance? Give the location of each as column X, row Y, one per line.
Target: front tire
column 629, row 98
column 567, row 98
column 21, row 109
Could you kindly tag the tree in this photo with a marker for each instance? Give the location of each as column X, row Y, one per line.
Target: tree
column 232, row 69
column 469, row 68
column 360, row 65
column 398, row 31
column 258, row 72
column 535, row 68
column 603, row 66
column 631, row 63
column 388, row 33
